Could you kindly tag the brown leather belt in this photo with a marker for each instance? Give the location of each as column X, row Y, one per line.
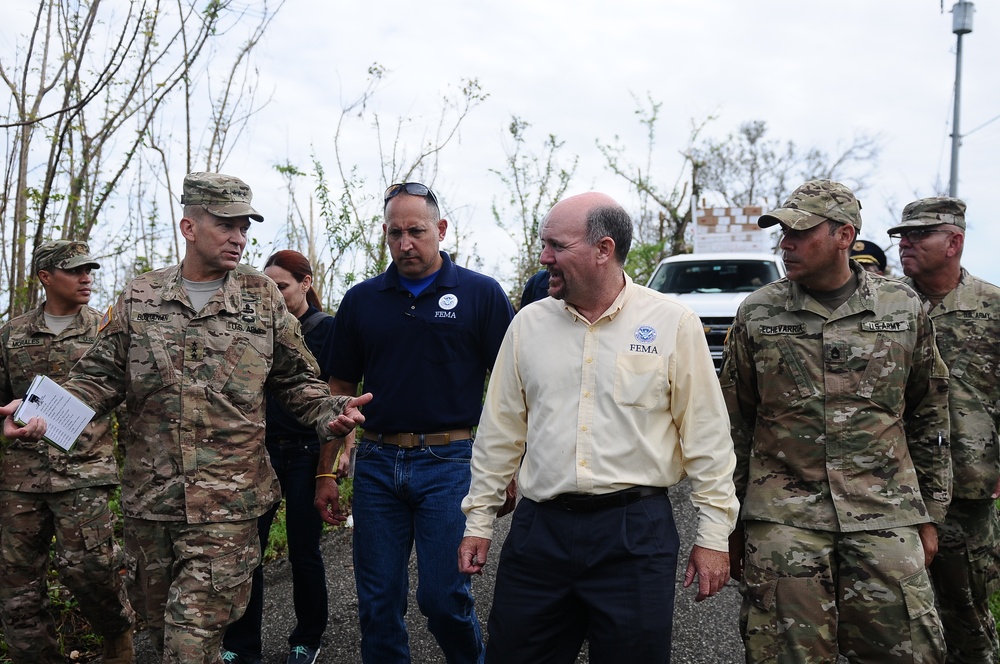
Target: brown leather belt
column 586, row 502
column 408, row 440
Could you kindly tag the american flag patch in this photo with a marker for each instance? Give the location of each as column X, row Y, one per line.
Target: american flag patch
column 105, row 320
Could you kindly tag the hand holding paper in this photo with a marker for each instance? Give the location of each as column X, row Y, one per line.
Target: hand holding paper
column 64, row 416
column 34, row 429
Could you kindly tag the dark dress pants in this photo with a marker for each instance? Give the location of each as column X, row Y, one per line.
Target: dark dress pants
column 606, row 575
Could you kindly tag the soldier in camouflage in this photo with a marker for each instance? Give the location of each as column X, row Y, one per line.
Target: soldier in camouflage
column 966, row 315
column 838, row 403
column 46, row 492
column 190, row 350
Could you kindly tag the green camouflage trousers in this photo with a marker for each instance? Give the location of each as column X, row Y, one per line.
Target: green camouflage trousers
column 88, row 560
column 809, row 595
column 189, row 581
column 966, row 571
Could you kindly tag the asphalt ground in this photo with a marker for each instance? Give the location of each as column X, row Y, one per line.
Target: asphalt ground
column 704, row 633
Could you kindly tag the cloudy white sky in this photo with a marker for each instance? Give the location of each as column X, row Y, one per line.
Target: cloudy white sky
column 818, row 72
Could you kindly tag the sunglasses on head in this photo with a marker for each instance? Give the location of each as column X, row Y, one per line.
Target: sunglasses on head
column 411, row 188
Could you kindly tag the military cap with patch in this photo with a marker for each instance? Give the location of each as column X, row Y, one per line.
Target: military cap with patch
column 220, row 194
column 62, row 255
column 867, row 252
column 932, row 211
column 812, row 204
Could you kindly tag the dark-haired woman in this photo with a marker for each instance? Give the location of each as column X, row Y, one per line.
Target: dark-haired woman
column 294, row 452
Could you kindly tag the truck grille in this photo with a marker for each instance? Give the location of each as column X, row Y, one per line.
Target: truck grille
column 716, row 330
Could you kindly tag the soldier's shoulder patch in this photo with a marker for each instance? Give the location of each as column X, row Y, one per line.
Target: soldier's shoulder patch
column 885, row 325
column 105, row 319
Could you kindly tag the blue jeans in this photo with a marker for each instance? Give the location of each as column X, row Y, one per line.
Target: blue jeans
column 295, row 464
column 404, row 497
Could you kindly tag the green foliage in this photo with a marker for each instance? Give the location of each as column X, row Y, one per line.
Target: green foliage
column 642, row 261
column 277, row 542
column 534, row 183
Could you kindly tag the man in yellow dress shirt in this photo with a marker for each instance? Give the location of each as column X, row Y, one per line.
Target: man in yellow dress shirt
column 602, row 396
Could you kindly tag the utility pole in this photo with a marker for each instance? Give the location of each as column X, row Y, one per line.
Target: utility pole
column 961, row 24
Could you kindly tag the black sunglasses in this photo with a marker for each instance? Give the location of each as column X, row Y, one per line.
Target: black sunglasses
column 411, row 188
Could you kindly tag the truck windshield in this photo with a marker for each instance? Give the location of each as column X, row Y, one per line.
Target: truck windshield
column 734, row 276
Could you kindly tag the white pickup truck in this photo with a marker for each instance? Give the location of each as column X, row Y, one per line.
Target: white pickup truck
column 714, row 285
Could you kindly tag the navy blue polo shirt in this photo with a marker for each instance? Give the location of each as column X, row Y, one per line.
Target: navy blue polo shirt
column 423, row 358
column 280, row 422
column 536, row 288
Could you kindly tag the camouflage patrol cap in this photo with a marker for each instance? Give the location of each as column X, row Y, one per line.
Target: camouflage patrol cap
column 812, row 204
column 62, row 255
column 867, row 252
column 221, row 195
column 932, row 212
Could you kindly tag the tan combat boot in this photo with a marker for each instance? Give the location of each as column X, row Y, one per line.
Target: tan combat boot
column 119, row 649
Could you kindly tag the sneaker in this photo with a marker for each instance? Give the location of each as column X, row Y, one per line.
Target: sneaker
column 230, row 657
column 302, row 655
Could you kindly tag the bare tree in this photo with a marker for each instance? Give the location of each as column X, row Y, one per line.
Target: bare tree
column 534, row 183
column 749, row 168
column 349, row 205
column 745, row 168
column 664, row 210
column 88, row 90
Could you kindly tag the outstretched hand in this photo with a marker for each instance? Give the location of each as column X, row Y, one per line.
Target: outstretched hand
column 351, row 416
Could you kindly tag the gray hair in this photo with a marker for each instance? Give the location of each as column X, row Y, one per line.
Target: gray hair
column 614, row 222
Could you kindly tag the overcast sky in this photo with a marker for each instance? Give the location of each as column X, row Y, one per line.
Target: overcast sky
column 817, row 72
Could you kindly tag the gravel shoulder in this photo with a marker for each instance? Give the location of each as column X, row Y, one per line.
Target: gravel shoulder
column 704, row 633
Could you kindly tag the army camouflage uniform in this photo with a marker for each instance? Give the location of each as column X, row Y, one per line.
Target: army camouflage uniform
column 966, row 570
column 46, row 492
column 196, row 473
column 823, row 406
column 193, row 384
column 839, row 424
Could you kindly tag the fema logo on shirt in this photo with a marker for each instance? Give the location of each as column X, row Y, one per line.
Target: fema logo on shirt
column 645, row 334
column 447, row 302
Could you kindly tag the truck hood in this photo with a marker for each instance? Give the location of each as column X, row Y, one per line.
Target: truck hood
column 711, row 305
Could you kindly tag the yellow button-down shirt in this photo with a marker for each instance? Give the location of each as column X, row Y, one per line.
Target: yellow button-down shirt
column 631, row 399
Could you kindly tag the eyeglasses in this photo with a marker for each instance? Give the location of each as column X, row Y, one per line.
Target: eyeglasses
column 916, row 235
column 411, row 188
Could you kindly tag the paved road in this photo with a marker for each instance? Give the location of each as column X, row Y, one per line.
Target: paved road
column 705, row 633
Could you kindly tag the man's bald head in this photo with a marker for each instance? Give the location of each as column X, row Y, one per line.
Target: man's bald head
column 604, row 218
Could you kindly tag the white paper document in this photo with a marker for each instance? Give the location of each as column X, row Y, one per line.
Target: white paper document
column 64, row 414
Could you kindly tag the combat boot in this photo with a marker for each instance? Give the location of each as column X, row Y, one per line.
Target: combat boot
column 119, row 649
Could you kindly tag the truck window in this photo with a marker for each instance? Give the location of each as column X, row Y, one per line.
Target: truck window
column 713, row 277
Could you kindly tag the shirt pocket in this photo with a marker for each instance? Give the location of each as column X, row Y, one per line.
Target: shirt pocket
column 150, row 366
column 784, row 381
column 640, row 380
column 974, row 365
column 242, row 373
column 876, row 383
